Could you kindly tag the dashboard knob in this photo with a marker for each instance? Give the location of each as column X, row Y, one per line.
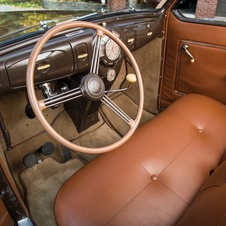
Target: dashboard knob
column 131, row 78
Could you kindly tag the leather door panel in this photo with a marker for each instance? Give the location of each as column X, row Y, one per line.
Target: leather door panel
column 207, row 75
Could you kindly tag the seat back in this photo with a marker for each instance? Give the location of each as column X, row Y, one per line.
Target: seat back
column 209, row 206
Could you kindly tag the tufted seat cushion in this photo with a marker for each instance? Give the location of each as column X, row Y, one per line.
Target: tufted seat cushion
column 153, row 178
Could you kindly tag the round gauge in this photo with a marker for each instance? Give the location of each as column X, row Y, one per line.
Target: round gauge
column 111, row 74
column 112, row 50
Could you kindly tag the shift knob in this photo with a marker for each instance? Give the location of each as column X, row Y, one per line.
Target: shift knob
column 131, row 78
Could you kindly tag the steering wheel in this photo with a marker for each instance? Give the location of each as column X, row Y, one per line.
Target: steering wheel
column 91, row 87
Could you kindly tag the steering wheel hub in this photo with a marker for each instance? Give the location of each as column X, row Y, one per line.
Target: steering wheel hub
column 92, row 87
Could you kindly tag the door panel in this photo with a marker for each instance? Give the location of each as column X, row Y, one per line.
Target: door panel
column 207, row 75
column 204, row 72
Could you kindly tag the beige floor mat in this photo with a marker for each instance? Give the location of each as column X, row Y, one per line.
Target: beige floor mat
column 42, row 183
column 129, row 107
column 63, row 125
column 100, row 137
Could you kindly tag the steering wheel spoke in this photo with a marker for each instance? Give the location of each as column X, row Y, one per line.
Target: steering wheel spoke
column 116, row 109
column 63, row 97
column 96, row 55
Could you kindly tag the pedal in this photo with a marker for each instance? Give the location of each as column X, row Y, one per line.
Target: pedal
column 66, row 152
column 30, row 160
column 47, row 149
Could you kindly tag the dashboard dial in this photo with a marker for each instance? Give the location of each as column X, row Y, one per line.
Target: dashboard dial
column 112, row 50
column 111, row 74
column 109, row 49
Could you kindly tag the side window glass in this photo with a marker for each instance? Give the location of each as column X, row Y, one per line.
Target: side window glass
column 214, row 10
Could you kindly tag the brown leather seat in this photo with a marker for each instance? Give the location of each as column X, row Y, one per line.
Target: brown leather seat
column 209, row 207
column 153, row 178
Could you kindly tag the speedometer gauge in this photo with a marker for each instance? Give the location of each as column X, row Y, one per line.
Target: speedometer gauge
column 112, row 50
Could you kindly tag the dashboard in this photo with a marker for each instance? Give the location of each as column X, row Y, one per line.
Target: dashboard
column 70, row 53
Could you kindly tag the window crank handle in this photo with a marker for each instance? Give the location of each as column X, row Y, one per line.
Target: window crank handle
column 185, row 47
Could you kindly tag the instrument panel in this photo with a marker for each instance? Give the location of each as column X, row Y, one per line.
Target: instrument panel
column 70, row 54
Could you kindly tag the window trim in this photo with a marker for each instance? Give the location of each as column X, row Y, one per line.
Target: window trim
column 179, row 15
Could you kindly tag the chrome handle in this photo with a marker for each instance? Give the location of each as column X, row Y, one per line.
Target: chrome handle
column 130, row 40
column 42, row 67
column 185, row 47
column 82, row 56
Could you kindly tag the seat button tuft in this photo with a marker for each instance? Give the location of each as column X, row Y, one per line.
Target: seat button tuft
column 199, row 130
column 154, row 177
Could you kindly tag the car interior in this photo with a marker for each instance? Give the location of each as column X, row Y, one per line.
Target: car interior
column 118, row 119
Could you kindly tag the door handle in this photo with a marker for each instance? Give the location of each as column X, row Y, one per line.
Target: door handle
column 185, row 47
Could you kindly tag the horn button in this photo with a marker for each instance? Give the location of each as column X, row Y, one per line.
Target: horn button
column 92, row 87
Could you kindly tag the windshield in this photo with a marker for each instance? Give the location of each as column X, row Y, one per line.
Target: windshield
column 23, row 17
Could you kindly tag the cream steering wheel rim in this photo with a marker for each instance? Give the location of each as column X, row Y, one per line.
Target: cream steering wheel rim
column 39, row 106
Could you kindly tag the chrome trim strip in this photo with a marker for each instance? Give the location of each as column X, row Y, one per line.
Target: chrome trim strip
column 74, row 33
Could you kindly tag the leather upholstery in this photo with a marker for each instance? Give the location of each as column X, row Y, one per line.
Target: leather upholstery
column 207, row 45
column 5, row 218
column 208, row 207
column 153, row 178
